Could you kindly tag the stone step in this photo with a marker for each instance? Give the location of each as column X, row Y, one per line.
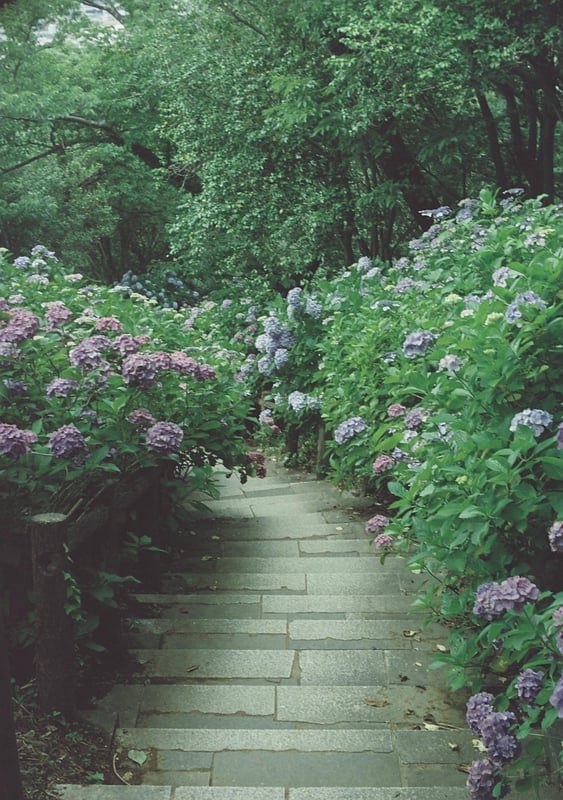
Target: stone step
column 280, row 565
column 276, row 526
column 229, row 706
column 350, row 582
column 72, row 792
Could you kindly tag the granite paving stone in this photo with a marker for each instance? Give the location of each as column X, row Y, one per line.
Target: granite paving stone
column 352, row 583
column 335, row 603
column 214, row 741
column 224, row 641
column 302, row 564
column 198, row 664
column 342, row 667
column 183, row 624
column 72, row 792
column 217, row 699
column 305, row 769
column 229, row 793
column 372, row 793
column 250, row 581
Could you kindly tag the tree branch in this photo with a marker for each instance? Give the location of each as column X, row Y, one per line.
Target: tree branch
column 50, row 152
column 109, row 8
column 232, row 13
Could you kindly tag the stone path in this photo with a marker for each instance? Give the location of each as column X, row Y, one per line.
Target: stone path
column 285, row 662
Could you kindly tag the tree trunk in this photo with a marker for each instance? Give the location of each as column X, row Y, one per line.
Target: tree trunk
column 494, row 144
column 10, row 779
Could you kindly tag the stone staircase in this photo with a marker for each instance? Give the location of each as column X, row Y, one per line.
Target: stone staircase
column 284, row 662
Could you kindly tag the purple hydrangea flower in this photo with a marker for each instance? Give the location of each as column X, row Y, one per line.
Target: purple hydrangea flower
column 88, row 353
column 364, row 264
column 21, row 325
column 22, row 262
column 109, row 324
column 298, row 401
column 14, row 441
column 61, row 387
column 534, row 418
column 286, row 338
column 382, row 541
column 162, row 360
column 8, row 350
column 139, row 370
column 484, row 775
column 556, row 699
column 377, row 524
column 180, row 362
column 555, row 535
column 395, row 410
column 313, row 308
column 514, row 313
column 280, row 357
column 141, row 418
column 501, row 745
column 415, row 418
column 560, row 436
column 479, row 706
column 164, row 438
column 417, row 343
column 502, row 275
column 493, row 599
column 437, row 213
column 348, row 429
column 294, row 298
column 40, row 280
column 15, row 388
column 204, row 372
column 57, row 314
column 226, row 304
column 68, row 442
column 382, row 464
column 528, row 685
column 265, row 365
column 257, row 463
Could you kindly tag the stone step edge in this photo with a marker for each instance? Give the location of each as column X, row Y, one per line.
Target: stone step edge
column 147, row 792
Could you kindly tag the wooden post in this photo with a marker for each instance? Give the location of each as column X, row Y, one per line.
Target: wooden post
column 54, row 650
column 10, row 778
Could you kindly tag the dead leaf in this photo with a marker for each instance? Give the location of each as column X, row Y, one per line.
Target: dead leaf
column 339, row 528
column 442, row 648
column 137, row 756
column 418, row 663
column 207, row 558
column 410, row 634
column 376, row 702
column 453, row 746
column 192, row 668
column 478, row 745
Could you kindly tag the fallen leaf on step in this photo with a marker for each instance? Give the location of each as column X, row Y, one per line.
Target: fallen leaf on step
column 428, row 726
column 127, row 776
column 410, row 634
column 478, row 745
column 418, row 663
column 207, row 558
column 192, row 668
column 442, row 648
column 138, row 756
column 216, row 538
column 453, row 746
column 376, row 702
column 339, row 528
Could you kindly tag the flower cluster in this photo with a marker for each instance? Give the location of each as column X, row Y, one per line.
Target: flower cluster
column 164, row 438
column 139, row 370
column 61, row 387
column 534, row 418
column 87, row 355
column 275, row 342
column 21, row 325
column 348, row 429
column 257, row 463
column 529, row 685
column 14, row 441
column 382, row 464
column 555, row 535
column 300, row 402
column 514, row 311
column 377, row 524
column 141, row 418
column 493, row 599
column 382, row 541
column 57, row 314
column 417, row 343
column 68, row 442
column 395, row 410
column 450, row 363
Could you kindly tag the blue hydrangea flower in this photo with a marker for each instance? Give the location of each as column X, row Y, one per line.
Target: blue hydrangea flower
column 348, row 429
column 514, row 313
column 294, row 298
column 534, row 418
column 313, row 308
column 417, row 343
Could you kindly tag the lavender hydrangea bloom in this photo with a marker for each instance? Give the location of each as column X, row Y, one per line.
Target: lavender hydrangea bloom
column 528, row 685
column 395, row 410
column 286, row 338
column 22, row 262
column 534, row 418
column 61, row 387
column 556, row 699
column 437, row 213
column 377, row 524
column 502, row 275
column 364, row 264
column 417, row 343
column 15, row 442
column 382, row 541
column 280, row 357
column 88, row 353
column 204, row 372
column 493, row 599
column 21, row 325
column 501, row 745
column 67, row 442
column 299, row 402
column 164, row 438
column 265, row 365
column 139, row 370
column 514, row 313
column 8, row 350
column 57, row 314
column 313, row 308
column 484, row 775
column 479, row 706
column 555, row 535
column 382, row 463
column 180, row 362
column 141, row 418
column 15, row 388
column 415, row 418
column 294, row 298
column 109, row 324
column 348, row 429
column 272, row 325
